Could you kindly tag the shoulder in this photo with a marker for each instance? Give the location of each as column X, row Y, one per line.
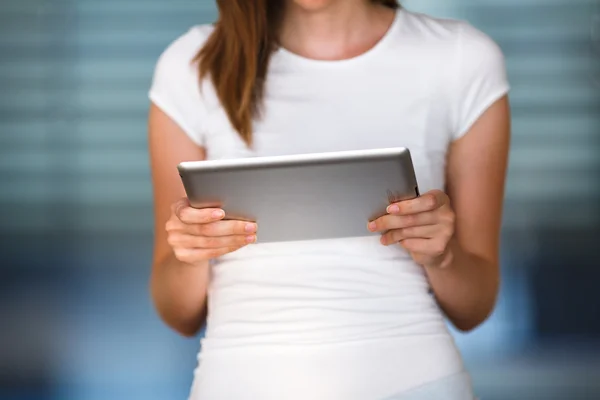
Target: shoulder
column 468, row 63
column 175, row 85
column 451, row 36
column 179, row 55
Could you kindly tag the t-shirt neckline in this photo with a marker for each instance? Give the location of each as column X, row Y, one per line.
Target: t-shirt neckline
column 377, row 48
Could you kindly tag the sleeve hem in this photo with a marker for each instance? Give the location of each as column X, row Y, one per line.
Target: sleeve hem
column 491, row 99
column 171, row 113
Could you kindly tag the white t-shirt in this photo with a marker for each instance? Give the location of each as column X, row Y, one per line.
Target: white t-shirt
column 335, row 319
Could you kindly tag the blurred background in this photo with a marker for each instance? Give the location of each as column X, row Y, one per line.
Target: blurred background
column 76, row 320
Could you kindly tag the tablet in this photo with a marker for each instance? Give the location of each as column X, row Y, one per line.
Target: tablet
column 307, row 196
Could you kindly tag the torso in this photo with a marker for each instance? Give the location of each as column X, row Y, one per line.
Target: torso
column 334, row 319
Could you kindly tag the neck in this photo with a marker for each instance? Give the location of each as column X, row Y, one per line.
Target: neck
column 340, row 30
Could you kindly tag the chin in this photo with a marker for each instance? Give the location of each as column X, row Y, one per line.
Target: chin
column 313, row 5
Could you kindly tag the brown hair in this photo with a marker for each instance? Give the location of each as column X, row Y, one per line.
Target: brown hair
column 236, row 56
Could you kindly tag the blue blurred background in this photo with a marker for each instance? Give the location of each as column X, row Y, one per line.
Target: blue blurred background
column 76, row 320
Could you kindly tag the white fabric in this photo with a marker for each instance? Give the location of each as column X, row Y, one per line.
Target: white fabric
column 335, row 319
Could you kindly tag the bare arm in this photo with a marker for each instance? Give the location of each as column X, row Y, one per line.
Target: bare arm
column 178, row 289
column 476, row 170
column 455, row 235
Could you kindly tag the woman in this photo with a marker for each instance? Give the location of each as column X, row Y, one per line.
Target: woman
column 359, row 318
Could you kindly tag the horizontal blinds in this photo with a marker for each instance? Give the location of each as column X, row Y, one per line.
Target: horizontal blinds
column 74, row 76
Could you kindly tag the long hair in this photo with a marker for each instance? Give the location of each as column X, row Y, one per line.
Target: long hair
column 236, row 56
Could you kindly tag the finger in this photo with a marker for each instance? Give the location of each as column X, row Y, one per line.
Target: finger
column 178, row 205
column 224, row 228
column 209, row 242
column 174, row 225
column 428, row 202
column 189, row 215
column 430, row 247
column 416, row 232
column 193, row 256
column 389, row 222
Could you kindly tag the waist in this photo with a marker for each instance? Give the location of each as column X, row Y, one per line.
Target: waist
column 317, row 298
column 374, row 369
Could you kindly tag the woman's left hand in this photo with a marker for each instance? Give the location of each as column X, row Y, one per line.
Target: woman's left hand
column 424, row 226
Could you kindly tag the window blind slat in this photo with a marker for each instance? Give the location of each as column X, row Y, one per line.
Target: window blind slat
column 75, row 73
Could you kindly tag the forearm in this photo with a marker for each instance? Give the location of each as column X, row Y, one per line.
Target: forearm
column 179, row 293
column 467, row 289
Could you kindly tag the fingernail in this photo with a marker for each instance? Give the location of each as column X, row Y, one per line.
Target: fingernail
column 250, row 239
column 218, row 214
column 251, row 228
column 393, row 209
column 383, row 240
column 372, row 226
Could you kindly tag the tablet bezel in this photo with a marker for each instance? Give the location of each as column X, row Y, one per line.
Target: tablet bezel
column 199, row 177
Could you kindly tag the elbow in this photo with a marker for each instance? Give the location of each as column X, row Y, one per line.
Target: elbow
column 469, row 323
column 187, row 325
column 467, row 326
column 479, row 312
column 186, row 331
column 184, row 326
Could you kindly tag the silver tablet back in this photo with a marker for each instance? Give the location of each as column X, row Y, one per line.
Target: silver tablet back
column 304, row 197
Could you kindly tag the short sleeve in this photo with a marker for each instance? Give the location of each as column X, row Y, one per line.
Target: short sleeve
column 175, row 86
column 481, row 77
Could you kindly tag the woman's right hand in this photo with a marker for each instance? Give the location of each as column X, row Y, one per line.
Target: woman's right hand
column 198, row 235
